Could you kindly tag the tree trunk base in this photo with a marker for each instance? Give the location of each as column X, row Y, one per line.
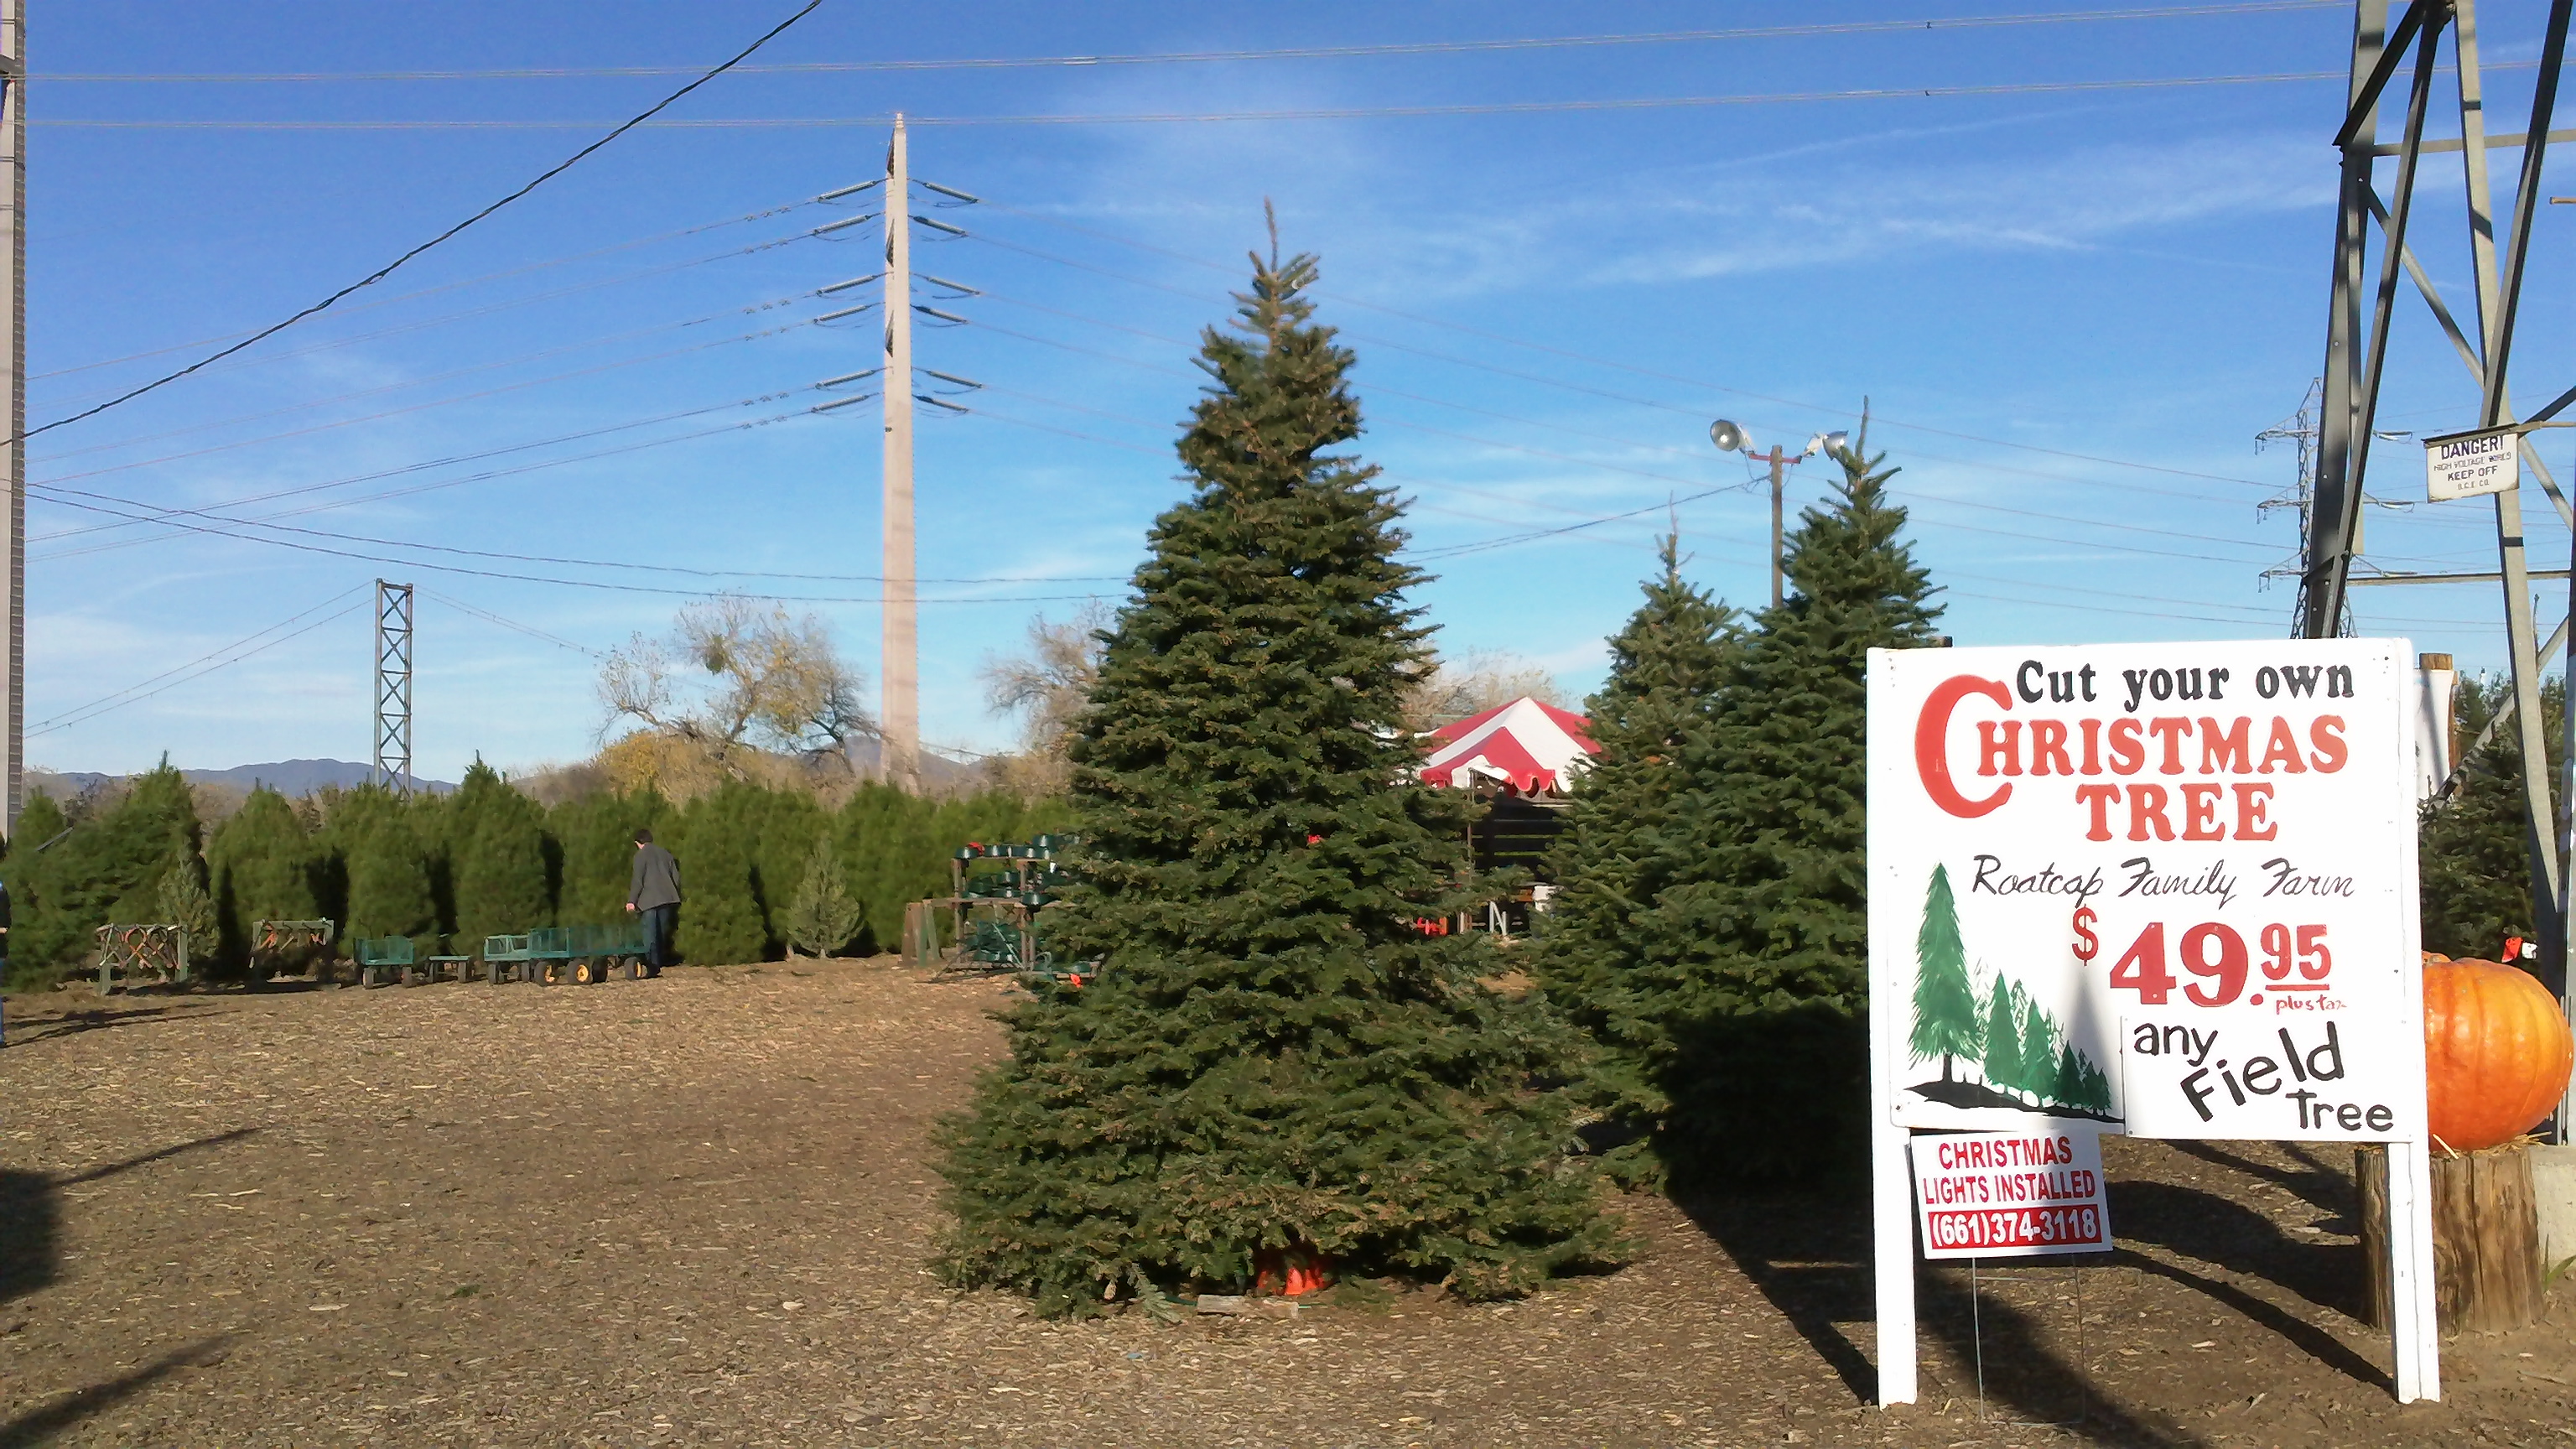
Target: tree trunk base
column 2486, row 1238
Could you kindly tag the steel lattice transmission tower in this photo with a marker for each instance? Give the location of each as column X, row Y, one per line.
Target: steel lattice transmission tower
column 393, row 688
column 2357, row 345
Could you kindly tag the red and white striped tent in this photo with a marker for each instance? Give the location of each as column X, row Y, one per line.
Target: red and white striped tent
column 1530, row 746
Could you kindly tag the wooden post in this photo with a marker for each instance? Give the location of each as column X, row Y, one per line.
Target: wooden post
column 2486, row 1238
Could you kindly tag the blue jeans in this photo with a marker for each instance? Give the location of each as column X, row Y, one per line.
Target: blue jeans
column 658, row 923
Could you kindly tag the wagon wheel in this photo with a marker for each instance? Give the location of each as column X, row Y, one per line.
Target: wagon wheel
column 550, row 973
column 584, row 973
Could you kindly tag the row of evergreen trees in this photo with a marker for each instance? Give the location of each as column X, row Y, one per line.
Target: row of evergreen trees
column 450, row 870
column 1710, row 927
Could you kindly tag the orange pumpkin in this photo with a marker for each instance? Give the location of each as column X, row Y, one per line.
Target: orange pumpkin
column 2496, row 1052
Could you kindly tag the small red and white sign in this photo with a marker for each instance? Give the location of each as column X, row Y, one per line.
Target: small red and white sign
column 2011, row 1194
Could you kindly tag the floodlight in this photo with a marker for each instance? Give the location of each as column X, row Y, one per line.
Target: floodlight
column 1729, row 437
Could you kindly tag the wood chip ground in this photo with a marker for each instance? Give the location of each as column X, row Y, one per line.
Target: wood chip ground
column 697, row 1211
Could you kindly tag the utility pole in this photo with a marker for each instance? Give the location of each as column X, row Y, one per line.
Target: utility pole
column 901, row 663
column 1731, row 438
column 393, row 688
column 13, row 519
column 1776, row 460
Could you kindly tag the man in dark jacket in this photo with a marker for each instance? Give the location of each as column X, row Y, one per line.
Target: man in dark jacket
column 654, row 890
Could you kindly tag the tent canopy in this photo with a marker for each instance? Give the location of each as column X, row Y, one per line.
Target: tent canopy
column 1526, row 744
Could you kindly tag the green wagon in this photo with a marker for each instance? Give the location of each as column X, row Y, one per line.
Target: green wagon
column 578, row 954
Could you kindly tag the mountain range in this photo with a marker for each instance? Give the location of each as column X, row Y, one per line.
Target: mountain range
column 287, row 777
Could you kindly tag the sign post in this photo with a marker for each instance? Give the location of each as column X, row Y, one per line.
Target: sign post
column 2159, row 889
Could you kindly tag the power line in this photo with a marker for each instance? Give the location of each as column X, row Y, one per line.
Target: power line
column 135, row 693
column 502, row 275
column 389, row 268
column 1567, row 353
column 351, row 481
column 429, row 379
column 1308, row 52
column 594, row 584
column 514, row 625
column 423, row 324
column 1320, row 113
column 380, row 416
column 1640, row 472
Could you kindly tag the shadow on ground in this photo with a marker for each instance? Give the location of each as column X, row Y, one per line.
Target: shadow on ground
column 2204, row 1225
column 31, row 1213
column 1810, row 1257
column 74, row 1023
column 41, row 1424
column 2321, row 1182
column 30, row 1233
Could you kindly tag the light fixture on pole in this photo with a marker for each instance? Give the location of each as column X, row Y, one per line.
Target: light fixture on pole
column 1732, row 438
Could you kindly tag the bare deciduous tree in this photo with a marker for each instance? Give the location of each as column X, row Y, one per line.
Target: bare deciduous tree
column 1452, row 690
column 1046, row 690
column 734, row 679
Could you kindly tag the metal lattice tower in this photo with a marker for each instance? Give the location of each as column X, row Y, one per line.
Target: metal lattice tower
column 2396, row 55
column 393, row 687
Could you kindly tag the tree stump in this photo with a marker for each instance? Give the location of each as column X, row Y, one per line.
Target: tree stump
column 2486, row 1238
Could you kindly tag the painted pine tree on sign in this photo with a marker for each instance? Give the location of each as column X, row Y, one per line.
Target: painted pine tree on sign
column 1945, row 1006
column 2002, row 1064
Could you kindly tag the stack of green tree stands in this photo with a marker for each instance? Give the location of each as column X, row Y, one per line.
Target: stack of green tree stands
column 1714, row 927
column 1275, row 1059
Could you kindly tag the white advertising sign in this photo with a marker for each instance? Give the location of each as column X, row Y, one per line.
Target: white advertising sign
column 2166, row 890
column 2163, row 887
column 2464, row 465
column 2012, row 1194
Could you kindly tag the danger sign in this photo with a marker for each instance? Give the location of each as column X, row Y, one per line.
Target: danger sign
column 2464, row 465
column 2011, row 1194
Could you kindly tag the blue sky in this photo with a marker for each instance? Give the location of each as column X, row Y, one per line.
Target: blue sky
column 2071, row 311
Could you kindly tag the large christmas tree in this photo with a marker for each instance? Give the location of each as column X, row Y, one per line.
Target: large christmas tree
column 1666, row 667
column 1274, row 1057
column 1756, row 955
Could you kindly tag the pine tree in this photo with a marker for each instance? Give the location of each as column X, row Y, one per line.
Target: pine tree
column 182, row 901
column 40, row 823
column 1272, row 1057
column 718, row 844
column 498, row 849
column 2039, row 1039
column 597, row 837
column 261, row 861
column 1665, row 668
column 1756, row 956
column 824, row 916
column 108, row 868
column 387, row 870
column 2473, row 858
column 789, row 820
column 1945, row 1005
column 2002, row 1064
column 870, row 834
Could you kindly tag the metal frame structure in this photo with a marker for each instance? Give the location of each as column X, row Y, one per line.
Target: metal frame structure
column 13, row 513
column 2357, row 356
column 393, row 688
